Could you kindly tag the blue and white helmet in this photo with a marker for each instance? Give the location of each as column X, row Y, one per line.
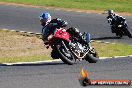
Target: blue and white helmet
column 45, row 16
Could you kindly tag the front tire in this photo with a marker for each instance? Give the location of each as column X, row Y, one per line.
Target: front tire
column 119, row 34
column 65, row 55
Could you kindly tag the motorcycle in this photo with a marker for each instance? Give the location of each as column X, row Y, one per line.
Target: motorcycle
column 121, row 29
column 68, row 48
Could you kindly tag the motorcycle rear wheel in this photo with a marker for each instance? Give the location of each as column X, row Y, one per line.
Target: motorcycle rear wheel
column 92, row 57
column 128, row 33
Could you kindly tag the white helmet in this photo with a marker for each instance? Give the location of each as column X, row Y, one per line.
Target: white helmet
column 110, row 12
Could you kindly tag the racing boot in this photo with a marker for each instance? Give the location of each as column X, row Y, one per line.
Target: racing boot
column 84, row 38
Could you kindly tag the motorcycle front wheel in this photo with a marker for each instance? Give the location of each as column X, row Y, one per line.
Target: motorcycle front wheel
column 65, row 55
column 119, row 35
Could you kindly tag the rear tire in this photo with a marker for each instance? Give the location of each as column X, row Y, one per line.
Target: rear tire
column 92, row 56
column 91, row 59
column 128, row 33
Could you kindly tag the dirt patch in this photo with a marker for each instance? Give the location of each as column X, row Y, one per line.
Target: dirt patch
column 15, row 45
column 66, row 9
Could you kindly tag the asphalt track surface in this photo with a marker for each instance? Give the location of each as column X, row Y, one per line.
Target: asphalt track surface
column 58, row 74
column 26, row 19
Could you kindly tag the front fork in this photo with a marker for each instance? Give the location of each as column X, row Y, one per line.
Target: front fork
column 67, row 50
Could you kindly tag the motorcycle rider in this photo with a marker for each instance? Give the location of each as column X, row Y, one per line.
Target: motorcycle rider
column 49, row 25
column 114, row 19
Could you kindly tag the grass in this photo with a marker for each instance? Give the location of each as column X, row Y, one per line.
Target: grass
column 21, row 47
column 110, row 50
column 117, row 5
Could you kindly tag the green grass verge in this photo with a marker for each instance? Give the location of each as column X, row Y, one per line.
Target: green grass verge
column 110, row 50
column 117, row 5
column 20, row 47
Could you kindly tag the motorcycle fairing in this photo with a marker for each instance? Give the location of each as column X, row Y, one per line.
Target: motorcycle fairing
column 62, row 34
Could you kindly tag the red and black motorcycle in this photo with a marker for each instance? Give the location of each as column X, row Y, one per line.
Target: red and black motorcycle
column 68, row 49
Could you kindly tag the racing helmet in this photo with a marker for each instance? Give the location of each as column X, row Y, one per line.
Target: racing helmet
column 110, row 12
column 45, row 18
